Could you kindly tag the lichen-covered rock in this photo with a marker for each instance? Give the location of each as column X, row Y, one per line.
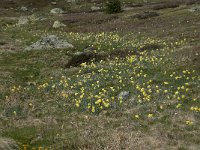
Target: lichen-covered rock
column 56, row 11
column 73, row 1
column 50, row 42
column 23, row 8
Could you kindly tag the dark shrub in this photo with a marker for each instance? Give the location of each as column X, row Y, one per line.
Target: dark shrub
column 113, row 6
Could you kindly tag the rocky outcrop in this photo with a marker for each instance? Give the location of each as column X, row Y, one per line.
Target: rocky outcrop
column 50, row 42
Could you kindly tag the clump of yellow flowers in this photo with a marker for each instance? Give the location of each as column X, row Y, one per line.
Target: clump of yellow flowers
column 147, row 76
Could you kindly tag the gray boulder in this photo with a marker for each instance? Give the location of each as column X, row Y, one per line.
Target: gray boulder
column 72, row 1
column 23, row 8
column 56, row 11
column 8, row 144
column 50, row 42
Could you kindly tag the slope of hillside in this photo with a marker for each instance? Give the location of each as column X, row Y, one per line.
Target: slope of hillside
column 131, row 80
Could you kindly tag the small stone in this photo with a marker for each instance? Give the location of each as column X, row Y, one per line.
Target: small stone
column 58, row 24
column 23, row 8
column 57, row 11
column 123, row 95
column 23, row 20
column 72, row 1
column 95, row 8
column 50, row 42
column 53, row 3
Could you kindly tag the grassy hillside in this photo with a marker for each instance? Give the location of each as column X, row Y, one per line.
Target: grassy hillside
column 57, row 100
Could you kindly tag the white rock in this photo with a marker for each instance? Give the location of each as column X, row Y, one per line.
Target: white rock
column 53, row 3
column 95, row 8
column 72, row 1
column 123, row 95
column 57, row 11
column 58, row 24
column 23, row 8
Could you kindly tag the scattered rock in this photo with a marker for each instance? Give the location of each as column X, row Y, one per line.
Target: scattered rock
column 8, row 144
column 95, row 8
column 58, row 24
column 72, row 1
column 23, row 20
column 53, row 3
column 123, row 95
column 146, row 15
column 57, row 11
column 50, row 42
column 23, row 8
column 195, row 9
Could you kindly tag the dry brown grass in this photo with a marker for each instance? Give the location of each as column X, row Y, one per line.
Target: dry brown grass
column 165, row 6
column 188, row 57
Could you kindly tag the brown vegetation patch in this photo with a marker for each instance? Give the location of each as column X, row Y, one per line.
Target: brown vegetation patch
column 189, row 57
column 146, row 15
column 82, row 57
column 87, row 18
column 165, row 6
column 151, row 47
